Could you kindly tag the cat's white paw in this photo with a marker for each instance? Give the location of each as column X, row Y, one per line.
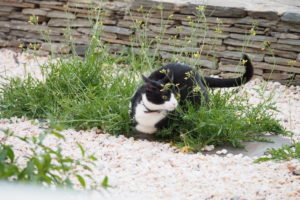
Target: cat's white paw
column 146, row 129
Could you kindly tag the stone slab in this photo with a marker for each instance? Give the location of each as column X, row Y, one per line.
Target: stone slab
column 237, row 55
column 30, row 11
column 291, row 17
column 285, row 47
column 71, row 23
column 56, row 47
column 255, row 149
column 61, row 14
column 117, row 30
column 277, row 76
column 268, row 66
column 281, row 61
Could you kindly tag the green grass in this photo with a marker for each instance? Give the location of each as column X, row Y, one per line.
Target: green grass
column 95, row 92
column 76, row 93
column 284, row 153
column 227, row 119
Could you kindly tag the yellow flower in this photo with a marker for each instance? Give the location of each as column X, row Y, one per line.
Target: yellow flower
column 171, row 16
column 33, row 20
column 218, row 30
column 140, row 9
column 200, row 8
column 197, row 55
column 244, row 62
column 252, row 31
column 185, row 149
column 291, row 62
column 219, row 21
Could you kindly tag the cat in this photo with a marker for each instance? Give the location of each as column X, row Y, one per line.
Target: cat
column 173, row 85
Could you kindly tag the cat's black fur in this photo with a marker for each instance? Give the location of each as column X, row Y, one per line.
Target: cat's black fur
column 183, row 80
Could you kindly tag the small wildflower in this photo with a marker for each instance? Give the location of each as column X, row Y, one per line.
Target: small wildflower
column 186, row 149
column 159, row 7
column 219, row 21
column 189, row 74
column 252, row 31
column 138, row 22
column 200, row 8
column 266, row 45
column 197, row 55
column 163, row 71
column 33, row 20
column 196, row 89
column 244, row 62
column 140, row 9
column 291, row 63
column 218, row 30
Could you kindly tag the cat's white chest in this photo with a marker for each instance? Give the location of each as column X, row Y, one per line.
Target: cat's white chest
column 146, row 121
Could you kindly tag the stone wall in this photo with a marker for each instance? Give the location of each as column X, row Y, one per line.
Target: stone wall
column 272, row 39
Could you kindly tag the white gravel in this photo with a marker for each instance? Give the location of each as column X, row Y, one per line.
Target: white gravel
column 151, row 170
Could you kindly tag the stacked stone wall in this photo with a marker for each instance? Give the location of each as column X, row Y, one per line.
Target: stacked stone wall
column 213, row 41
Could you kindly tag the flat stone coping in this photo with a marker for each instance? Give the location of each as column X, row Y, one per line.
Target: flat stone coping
column 254, row 148
column 278, row 6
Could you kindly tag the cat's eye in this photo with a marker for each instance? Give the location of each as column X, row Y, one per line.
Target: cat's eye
column 164, row 97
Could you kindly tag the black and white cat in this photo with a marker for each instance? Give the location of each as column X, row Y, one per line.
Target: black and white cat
column 174, row 84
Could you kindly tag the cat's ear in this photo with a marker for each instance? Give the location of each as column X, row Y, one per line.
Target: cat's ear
column 146, row 80
column 149, row 83
column 168, row 78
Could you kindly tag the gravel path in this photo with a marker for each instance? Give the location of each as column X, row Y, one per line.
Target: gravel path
column 150, row 170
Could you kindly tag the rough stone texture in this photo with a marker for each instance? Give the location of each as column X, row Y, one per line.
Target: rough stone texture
column 260, row 29
column 282, row 61
column 56, row 47
column 61, row 14
column 38, row 12
column 255, row 148
column 292, row 17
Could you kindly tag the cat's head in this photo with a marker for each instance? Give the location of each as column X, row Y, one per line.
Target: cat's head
column 157, row 96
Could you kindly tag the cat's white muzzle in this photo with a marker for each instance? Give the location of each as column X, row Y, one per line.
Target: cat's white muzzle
column 171, row 104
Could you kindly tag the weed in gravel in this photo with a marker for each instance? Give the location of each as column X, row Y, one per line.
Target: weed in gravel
column 77, row 93
column 45, row 165
column 284, row 153
column 227, row 119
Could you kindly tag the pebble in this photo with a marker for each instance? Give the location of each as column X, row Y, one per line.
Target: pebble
column 296, row 172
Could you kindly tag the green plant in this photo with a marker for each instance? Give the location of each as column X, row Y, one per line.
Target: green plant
column 45, row 165
column 226, row 119
column 284, row 153
column 96, row 91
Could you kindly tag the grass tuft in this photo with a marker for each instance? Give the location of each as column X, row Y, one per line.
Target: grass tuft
column 95, row 91
column 286, row 152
